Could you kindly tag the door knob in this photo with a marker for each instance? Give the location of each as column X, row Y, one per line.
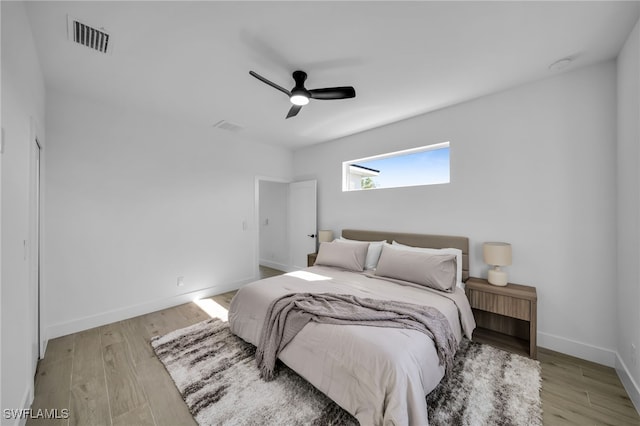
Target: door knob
column 311, row 235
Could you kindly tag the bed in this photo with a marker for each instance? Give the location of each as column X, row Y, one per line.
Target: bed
column 379, row 375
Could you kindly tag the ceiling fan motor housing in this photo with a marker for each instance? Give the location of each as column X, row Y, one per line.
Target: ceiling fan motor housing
column 299, row 90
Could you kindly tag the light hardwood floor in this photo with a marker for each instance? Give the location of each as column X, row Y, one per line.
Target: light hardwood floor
column 110, row 376
column 266, row 272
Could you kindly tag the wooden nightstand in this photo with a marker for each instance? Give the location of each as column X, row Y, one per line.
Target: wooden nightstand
column 506, row 316
column 311, row 258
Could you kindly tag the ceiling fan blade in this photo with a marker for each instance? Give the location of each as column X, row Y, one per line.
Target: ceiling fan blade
column 270, row 83
column 294, row 111
column 333, row 93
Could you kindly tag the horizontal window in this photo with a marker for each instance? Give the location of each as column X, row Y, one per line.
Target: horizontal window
column 425, row 165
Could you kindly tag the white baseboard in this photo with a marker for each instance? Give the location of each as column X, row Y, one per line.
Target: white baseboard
column 629, row 384
column 97, row 320
column 275, row 265
column 578, row 349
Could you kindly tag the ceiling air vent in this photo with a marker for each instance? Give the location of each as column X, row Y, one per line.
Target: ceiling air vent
column 225, row 125
column 93, row 38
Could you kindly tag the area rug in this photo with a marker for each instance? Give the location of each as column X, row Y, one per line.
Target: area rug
column 216, row 373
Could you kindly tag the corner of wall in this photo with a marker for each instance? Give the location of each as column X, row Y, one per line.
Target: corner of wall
column 628, row 382
column 628, row 212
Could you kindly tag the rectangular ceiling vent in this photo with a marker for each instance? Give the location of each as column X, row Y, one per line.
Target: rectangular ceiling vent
column 93, row 38
column 225, row 125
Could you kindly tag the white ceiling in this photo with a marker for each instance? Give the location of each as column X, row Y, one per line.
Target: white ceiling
column 191, row 60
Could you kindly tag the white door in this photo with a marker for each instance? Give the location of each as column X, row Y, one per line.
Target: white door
column 302, row 222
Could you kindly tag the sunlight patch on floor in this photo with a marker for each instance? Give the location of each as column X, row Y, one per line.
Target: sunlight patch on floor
column 213, row 309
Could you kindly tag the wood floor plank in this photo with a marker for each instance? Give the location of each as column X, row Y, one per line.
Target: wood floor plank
column 88, row 403
column 155, row 323
column 54, row 377
column 595, row 386
column 224, row 299
column 88, row 385
column 619, row 402
column 137, row 337
column 604, row 376
column 163, row 322
column 592, row 366
column 267, row 272
column 622, row 417
column 176, row 317
column 49, row 401
column 616, row 407
column 139, row 416
column 87, row 361
column 59, row 348
column 193, row 313
column 561, row 365
column 554, row 414
column 561, row 391
column 572, row 409
column 111, row 333
column 166, row 402
column 53, row 380
column 124, row 389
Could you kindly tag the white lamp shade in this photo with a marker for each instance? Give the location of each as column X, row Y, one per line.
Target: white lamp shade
column 325, row 236
column 498, row 254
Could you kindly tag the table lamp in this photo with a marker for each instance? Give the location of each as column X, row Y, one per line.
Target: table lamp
column 325, row 236
column 497, row 254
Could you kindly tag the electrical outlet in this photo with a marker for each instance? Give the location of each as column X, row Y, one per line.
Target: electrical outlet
column 634, row 355
column 180, row 281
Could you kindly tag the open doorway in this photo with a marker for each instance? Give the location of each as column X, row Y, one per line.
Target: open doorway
column 286, row 222
column 273, row 223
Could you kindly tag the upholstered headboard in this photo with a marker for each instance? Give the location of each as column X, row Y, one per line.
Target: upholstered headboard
column 416, row 240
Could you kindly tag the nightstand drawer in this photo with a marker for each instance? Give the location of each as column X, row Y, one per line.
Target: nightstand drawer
column 503, row 305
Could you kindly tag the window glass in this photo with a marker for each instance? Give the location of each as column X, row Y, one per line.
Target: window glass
column 426, row 165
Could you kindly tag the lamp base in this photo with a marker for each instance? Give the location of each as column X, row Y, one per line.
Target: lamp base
column 497, row 277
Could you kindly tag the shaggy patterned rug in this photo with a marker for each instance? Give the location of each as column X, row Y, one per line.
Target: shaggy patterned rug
column 217, row 376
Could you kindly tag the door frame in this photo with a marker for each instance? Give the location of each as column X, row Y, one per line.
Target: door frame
column 35, row 238
column 37, row 250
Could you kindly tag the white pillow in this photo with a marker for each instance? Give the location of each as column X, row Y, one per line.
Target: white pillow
column 373, row 254
column 455, row 251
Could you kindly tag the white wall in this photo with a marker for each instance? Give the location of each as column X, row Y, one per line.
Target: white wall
column 533, row 166
column 23, row 109
column 629, row 213
column 134, row 201
column 274, row 247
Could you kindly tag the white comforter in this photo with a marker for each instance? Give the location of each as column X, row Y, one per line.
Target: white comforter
column 380, row 375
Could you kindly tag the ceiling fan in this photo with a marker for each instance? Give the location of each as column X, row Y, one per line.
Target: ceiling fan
column 299, row 95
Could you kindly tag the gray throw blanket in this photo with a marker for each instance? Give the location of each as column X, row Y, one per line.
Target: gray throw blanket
column 289, row 314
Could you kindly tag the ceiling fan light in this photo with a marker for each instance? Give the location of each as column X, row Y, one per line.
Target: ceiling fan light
column 299, row 100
